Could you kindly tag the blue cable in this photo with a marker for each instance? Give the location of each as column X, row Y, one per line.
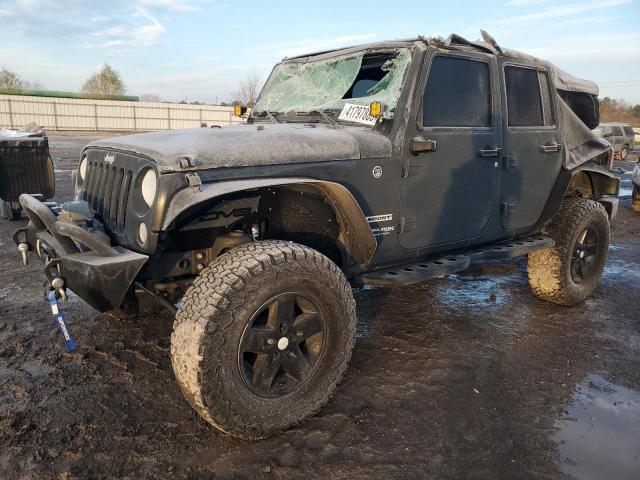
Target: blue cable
column 57, row 314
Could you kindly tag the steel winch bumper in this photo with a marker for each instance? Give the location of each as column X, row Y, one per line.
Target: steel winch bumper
column 77, row 259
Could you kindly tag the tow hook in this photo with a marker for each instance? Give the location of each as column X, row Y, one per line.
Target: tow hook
column 23, row 248
column 58, row 285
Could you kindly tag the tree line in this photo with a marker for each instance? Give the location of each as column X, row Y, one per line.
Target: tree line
column 107, row 83
column 612, row 110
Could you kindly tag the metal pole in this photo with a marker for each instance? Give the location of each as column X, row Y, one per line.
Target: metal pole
column 135, row 126
column 10, row 112
column 55, row 116
column 95, row 115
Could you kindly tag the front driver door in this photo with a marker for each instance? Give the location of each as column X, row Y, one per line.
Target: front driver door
column 451, row 153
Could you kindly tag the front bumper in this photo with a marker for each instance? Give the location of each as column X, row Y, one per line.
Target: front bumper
column 97, row 272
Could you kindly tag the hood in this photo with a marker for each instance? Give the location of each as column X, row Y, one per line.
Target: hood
column 251, row 145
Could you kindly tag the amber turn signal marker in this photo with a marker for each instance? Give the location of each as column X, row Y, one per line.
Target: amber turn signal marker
column 237, row 111
column 375, row 109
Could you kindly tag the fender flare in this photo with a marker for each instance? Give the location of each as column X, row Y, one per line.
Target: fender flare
column 355, row 233
column 604, row 182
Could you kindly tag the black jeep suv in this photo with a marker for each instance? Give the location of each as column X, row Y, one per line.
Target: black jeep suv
column 383, row 164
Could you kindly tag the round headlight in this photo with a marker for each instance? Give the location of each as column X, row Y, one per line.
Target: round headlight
column 142, row 233
column 148, row 187
column 82, row 168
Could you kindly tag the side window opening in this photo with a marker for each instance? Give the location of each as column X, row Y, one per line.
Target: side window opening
column 457, row 94
column 628, row 131
column 524, row 102
column 617, row 131
column 607, row 130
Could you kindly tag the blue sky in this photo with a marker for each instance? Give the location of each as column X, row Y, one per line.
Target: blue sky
column 198, row 50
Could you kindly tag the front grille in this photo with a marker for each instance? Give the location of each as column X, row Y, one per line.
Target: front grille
column 107, row 189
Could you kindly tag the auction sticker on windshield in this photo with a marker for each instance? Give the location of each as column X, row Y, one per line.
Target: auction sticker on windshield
column 356, row 113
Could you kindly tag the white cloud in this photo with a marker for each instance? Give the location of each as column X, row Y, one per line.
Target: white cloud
column 311, row 45
column 118, row 24
column 520, row 3
column 561, row 10
column 172, row 5
column 145, row 33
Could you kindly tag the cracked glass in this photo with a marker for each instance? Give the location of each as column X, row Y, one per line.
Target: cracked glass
column 329, row 84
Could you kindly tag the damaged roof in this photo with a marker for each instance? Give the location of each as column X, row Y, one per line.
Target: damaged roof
column 563, row 80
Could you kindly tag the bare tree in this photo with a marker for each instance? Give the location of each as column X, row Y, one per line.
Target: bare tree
column 10, row 80
column 248, row 89
column 149, row 97
column 34, row 85
column 104, row 83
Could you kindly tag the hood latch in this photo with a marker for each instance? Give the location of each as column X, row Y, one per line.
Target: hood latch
column 188, row 163
column 194, row 181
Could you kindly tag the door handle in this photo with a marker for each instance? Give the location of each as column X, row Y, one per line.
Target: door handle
column 550, row 147
column 419, row 145
column 487, row 152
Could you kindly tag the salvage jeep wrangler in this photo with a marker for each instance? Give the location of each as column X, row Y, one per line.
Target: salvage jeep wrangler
column 384, row 164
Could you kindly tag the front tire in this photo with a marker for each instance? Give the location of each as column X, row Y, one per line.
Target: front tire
column 568, row 273
column 263, row 337
column 12, row 211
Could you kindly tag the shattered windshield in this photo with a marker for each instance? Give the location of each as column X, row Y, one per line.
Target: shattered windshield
column 329, row 84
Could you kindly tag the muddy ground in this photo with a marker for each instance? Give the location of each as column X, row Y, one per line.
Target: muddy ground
column 468, row 376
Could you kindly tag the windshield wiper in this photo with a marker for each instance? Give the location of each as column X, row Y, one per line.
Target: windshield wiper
column 326, row 116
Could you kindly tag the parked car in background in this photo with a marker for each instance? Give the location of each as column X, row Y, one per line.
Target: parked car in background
column 619, row 135
column 635, row 196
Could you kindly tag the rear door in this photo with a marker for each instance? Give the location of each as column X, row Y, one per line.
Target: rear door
column 628, row 135
column 617, row 137
column 532, row 144
column 450, row 175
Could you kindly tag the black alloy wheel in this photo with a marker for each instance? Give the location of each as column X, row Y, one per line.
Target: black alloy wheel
column 281, row 345
column 584, row 258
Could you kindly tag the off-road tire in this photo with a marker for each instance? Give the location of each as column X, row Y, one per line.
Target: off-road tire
column 635, row 199
column 624, row 151
column 549, row 270
column 215, row 312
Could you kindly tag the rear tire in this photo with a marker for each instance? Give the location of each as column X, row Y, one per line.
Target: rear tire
column 251, row 372
column 568, row 273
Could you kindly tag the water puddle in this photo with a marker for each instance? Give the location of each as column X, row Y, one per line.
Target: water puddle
column 599, row 435
column 476, row 290
column 617, row 271
column 625, row 191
